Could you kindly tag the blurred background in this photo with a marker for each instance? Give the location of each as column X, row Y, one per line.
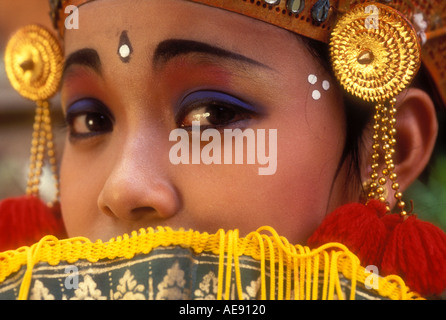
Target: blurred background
column 16, row 118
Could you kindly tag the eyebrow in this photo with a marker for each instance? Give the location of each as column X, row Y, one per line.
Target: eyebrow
column 85, row 57
column 171, row 48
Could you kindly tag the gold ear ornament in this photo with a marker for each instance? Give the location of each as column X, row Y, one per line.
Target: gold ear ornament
column 375, row 59
column 34, row 63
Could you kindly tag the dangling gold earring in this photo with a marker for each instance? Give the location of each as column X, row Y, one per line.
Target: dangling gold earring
column 375, row 60
column 367, row 186
column 34, row 62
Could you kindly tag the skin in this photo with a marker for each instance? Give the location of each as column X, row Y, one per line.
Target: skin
column 119, row 181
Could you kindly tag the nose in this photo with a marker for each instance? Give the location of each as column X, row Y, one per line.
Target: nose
column 137, row 188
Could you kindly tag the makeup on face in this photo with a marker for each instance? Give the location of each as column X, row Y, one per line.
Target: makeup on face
column 88, row 118
column 317, row 94
column 216, row 108
column 125, row 49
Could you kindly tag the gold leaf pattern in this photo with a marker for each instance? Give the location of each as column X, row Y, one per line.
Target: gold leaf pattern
column 252, row 290
column 173, row 285
column 40, row 292
column 128, row 288
column 34, row 62
column 88, row 290
column 374, row 63
column 208, row 287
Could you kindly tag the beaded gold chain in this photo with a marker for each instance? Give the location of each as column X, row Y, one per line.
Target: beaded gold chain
column 384, row 139
column 375, row 63
column 34, row 63
column 42, row 138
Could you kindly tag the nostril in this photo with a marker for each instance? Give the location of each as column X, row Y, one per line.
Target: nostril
column 107, row 211
column 137, row 200
column 137, row 212
column 132, row 215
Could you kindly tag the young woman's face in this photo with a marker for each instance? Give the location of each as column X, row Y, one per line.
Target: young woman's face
column 137, row 70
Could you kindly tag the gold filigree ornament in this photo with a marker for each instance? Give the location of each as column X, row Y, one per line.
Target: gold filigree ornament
column 34, row 64
column 375, row 52
column 375, row 55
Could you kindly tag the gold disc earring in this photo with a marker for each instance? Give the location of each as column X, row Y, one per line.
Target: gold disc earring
column 34, row 63
column 375, row 59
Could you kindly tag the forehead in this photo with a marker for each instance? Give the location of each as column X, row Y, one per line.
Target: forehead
column 147, row 23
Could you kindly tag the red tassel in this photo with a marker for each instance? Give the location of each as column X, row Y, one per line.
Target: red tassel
column 416, row 250
column 404, row 246
column 25, row 220
column 357, row 226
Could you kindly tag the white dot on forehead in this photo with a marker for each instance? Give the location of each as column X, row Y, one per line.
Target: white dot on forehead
column 325, row 84
column 312, row 79
column 124, row 51
column 316, row 95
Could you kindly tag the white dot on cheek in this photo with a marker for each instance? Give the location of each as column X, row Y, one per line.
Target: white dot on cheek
column 325, row 85
column 124, row 51
column 316, row 95
column 312, row 79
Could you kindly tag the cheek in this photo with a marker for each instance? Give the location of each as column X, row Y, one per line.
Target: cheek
column 301, row 189
column 310, row 147
column 78, row 197
column 293, row 200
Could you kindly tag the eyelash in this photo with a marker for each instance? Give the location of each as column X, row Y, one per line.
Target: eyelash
column 93, row 110
column 101, row 117
column 218, row 102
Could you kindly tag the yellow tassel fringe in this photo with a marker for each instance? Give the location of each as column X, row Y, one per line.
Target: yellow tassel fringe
column 292, row 268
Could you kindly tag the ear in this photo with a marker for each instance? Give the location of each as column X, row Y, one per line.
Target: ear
column 417, row 128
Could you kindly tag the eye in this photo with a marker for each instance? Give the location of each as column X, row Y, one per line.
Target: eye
column 88, row 118
column 213, row 109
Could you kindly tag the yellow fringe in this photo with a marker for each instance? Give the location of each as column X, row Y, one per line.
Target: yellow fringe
column 292, row 268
